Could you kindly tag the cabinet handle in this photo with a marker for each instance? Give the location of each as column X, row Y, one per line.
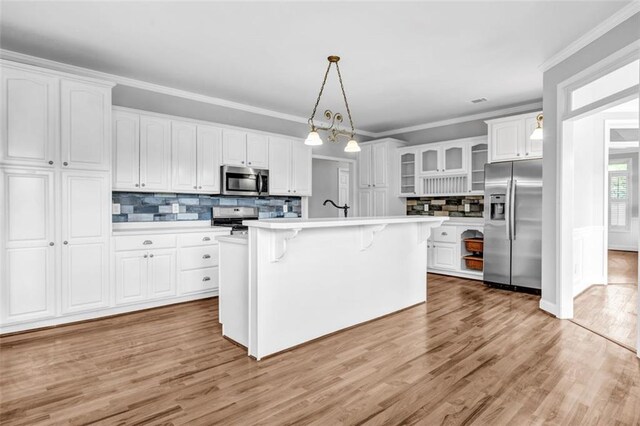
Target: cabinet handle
column 199, row 187
column 147, row 242
column 518, row 154
column 249, row 162
column 142, row 184
column 206, row 279
column 206, row 239
column 150, row 255
column 288, row 190
column 137, row 185
column 50, row 163
column 65, row 164
column 526, row 153
column 295, row 191
column 444, row 233
column 206, row 256
column 65, row 242
column 242, row 162
column 52, row 244
column 369, row 186
column 374, row 186
column 145, row 256
column 195, row 187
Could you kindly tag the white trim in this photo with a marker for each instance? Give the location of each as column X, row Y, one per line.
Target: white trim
column 463, row 119
column 623, row 248
column 157, row 88
column 598, row 31
column 329, row 158
column 547, row 306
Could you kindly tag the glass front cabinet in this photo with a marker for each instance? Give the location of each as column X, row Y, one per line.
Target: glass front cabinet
column 408, row 167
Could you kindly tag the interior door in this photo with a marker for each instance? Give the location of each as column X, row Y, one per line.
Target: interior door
column 497, row 244
column 155, row 154
column 209, row 159
column 526, row 244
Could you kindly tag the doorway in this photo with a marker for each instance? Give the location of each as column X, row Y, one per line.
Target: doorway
column 332, row 180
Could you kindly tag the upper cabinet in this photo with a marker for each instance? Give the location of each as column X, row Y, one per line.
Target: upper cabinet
column 373, row 163
column 408, row 167
column 509, row 138
column 243, row 149
column 209, row 157
column 85, row 125
column 183, row 158
column 437, row 159
column 290, row 167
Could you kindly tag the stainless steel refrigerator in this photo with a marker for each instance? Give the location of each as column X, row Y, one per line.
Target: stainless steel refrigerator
column 513, row 224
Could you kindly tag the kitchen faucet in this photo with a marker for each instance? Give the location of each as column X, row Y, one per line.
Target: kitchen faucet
column 345, row 207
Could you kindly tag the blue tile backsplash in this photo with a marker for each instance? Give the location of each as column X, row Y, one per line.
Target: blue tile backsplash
column 137, row 207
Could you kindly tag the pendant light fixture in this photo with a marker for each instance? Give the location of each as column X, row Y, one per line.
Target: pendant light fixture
column 537, row 133
column 334, row 119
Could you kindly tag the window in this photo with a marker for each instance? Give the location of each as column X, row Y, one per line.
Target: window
column 607, row 85
column 619, row 194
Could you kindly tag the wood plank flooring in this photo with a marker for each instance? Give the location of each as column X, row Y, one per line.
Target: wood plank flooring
column 611, row 310
column 471, row 355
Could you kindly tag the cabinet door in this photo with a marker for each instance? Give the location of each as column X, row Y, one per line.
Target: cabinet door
column 454, row 160
column 131, row 276
column 445, row 256
column 126, row 151
column 365, row 203
column 234, row 148
column 85, row 215
column 505, row 140
column 162, row 273
column 257, row 151
column 27, row 268
column 155, row 154
column 301, row 168
column 479, row 157
column 364, row 166
column 380, row 163
column 430, row 161
column 407, row 169
column 430, row 249
column 85, row 125
column 532, row 148
column 209, row 159
column 183, row 158
column 280, row 160
column 28, row 124
column 379, row 203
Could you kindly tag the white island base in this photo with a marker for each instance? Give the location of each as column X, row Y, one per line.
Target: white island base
column 309, row 278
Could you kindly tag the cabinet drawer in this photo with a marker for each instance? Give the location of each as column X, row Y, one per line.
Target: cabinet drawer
column 199, row 238
column 198, row 280
column 445, row 234
column 144, row 242
column 199, row 257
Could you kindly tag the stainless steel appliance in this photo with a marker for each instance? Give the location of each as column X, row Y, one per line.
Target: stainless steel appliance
column 513, row 224
column 232, row 217
column 244, row 181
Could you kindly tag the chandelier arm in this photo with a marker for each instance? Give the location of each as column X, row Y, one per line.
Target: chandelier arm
column 344, row 95
column 324, row 81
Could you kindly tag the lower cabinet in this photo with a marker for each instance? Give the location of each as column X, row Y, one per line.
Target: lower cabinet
column 373, row 202
column 446, row 250
column 142, row 275
column 445, row 256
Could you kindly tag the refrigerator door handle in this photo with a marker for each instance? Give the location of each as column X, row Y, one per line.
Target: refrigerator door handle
column 512, row 209
column 507, row 212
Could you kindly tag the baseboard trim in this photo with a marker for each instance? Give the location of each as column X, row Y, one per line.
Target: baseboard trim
column 549, row 307
column 469, row 276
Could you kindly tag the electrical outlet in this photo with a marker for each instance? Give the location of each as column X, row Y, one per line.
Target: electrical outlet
column 467, row 208
column 175, row 208
column 426, row 207
column 285, row 208
column 115, row 208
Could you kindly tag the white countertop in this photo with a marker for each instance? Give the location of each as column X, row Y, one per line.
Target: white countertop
column 126, row 228
column 299, row 223
column 234, row 239
column 477, row 221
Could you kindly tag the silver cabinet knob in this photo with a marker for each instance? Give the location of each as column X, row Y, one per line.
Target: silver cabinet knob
column 242, row 162
column 295, row 191
column 518, row 154
column 52, row 244
column 526, row 153
column 206, row 279
column 65, row 164
column 444, row 233
column 65, row 242
column 374, row 186
column 199, row 187
column 206, row 239
column 206, row 256
column 137, row 185
column 150, row 255
column 249, row 162
column 195, row 187
column 145, row 256
column 147, row 242
column 50, row 163
column 142, row 184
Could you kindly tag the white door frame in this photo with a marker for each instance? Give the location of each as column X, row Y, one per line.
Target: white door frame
column 564, row 183
column 353, row 168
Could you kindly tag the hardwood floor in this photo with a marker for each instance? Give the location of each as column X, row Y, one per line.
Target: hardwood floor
column 471, row 355
column 611, row 310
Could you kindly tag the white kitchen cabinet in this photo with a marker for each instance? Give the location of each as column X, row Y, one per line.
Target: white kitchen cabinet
column 85, row 125
column 373, row 162
column 443, row 158
column 131, row 276
column 184, row 157
column 509, row 138
column 408, row 167
column 445, row 249
column 126, row 151
column 445, row 256
column 244, row 149
column 161, row 273
column 379, row 178
column 85, row 214
column 29, row 113
column 209, row 158
column 373, row 202
column 27, row 266
column 364, row 166
column 289, row 167
column 365, row 202
column 430, row 160
column 155, row 153
column 478, row 152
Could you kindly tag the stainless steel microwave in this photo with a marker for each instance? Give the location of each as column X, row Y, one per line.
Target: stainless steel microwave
column 244, row 181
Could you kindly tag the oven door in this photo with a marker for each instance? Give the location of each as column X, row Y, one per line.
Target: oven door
column 243, row 181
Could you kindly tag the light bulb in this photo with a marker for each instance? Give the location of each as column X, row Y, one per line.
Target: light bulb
column 313, row 139
column 352, row 146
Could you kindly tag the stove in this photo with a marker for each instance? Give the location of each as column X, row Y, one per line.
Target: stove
column 232, row 217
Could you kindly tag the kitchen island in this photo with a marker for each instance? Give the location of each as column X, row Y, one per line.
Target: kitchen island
column 311, row 277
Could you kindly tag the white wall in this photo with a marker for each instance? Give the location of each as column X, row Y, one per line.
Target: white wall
column 325, row 187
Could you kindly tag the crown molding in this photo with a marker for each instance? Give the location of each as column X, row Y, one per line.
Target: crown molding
column 598, row 31
column 152, row 87
column 464, row 119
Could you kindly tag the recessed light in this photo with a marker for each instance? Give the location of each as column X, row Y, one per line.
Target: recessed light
column 479, row 100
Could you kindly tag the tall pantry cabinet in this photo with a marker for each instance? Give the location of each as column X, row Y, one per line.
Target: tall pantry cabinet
column 55, row 187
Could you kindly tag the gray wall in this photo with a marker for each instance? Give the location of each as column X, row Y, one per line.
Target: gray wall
column 164, row 104
column 614, row 40
column 325, row 186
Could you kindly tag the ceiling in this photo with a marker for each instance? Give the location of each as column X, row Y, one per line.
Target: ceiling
column 403, row 64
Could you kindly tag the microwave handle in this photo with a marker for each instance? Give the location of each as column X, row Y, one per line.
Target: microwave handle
column 259, row 183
